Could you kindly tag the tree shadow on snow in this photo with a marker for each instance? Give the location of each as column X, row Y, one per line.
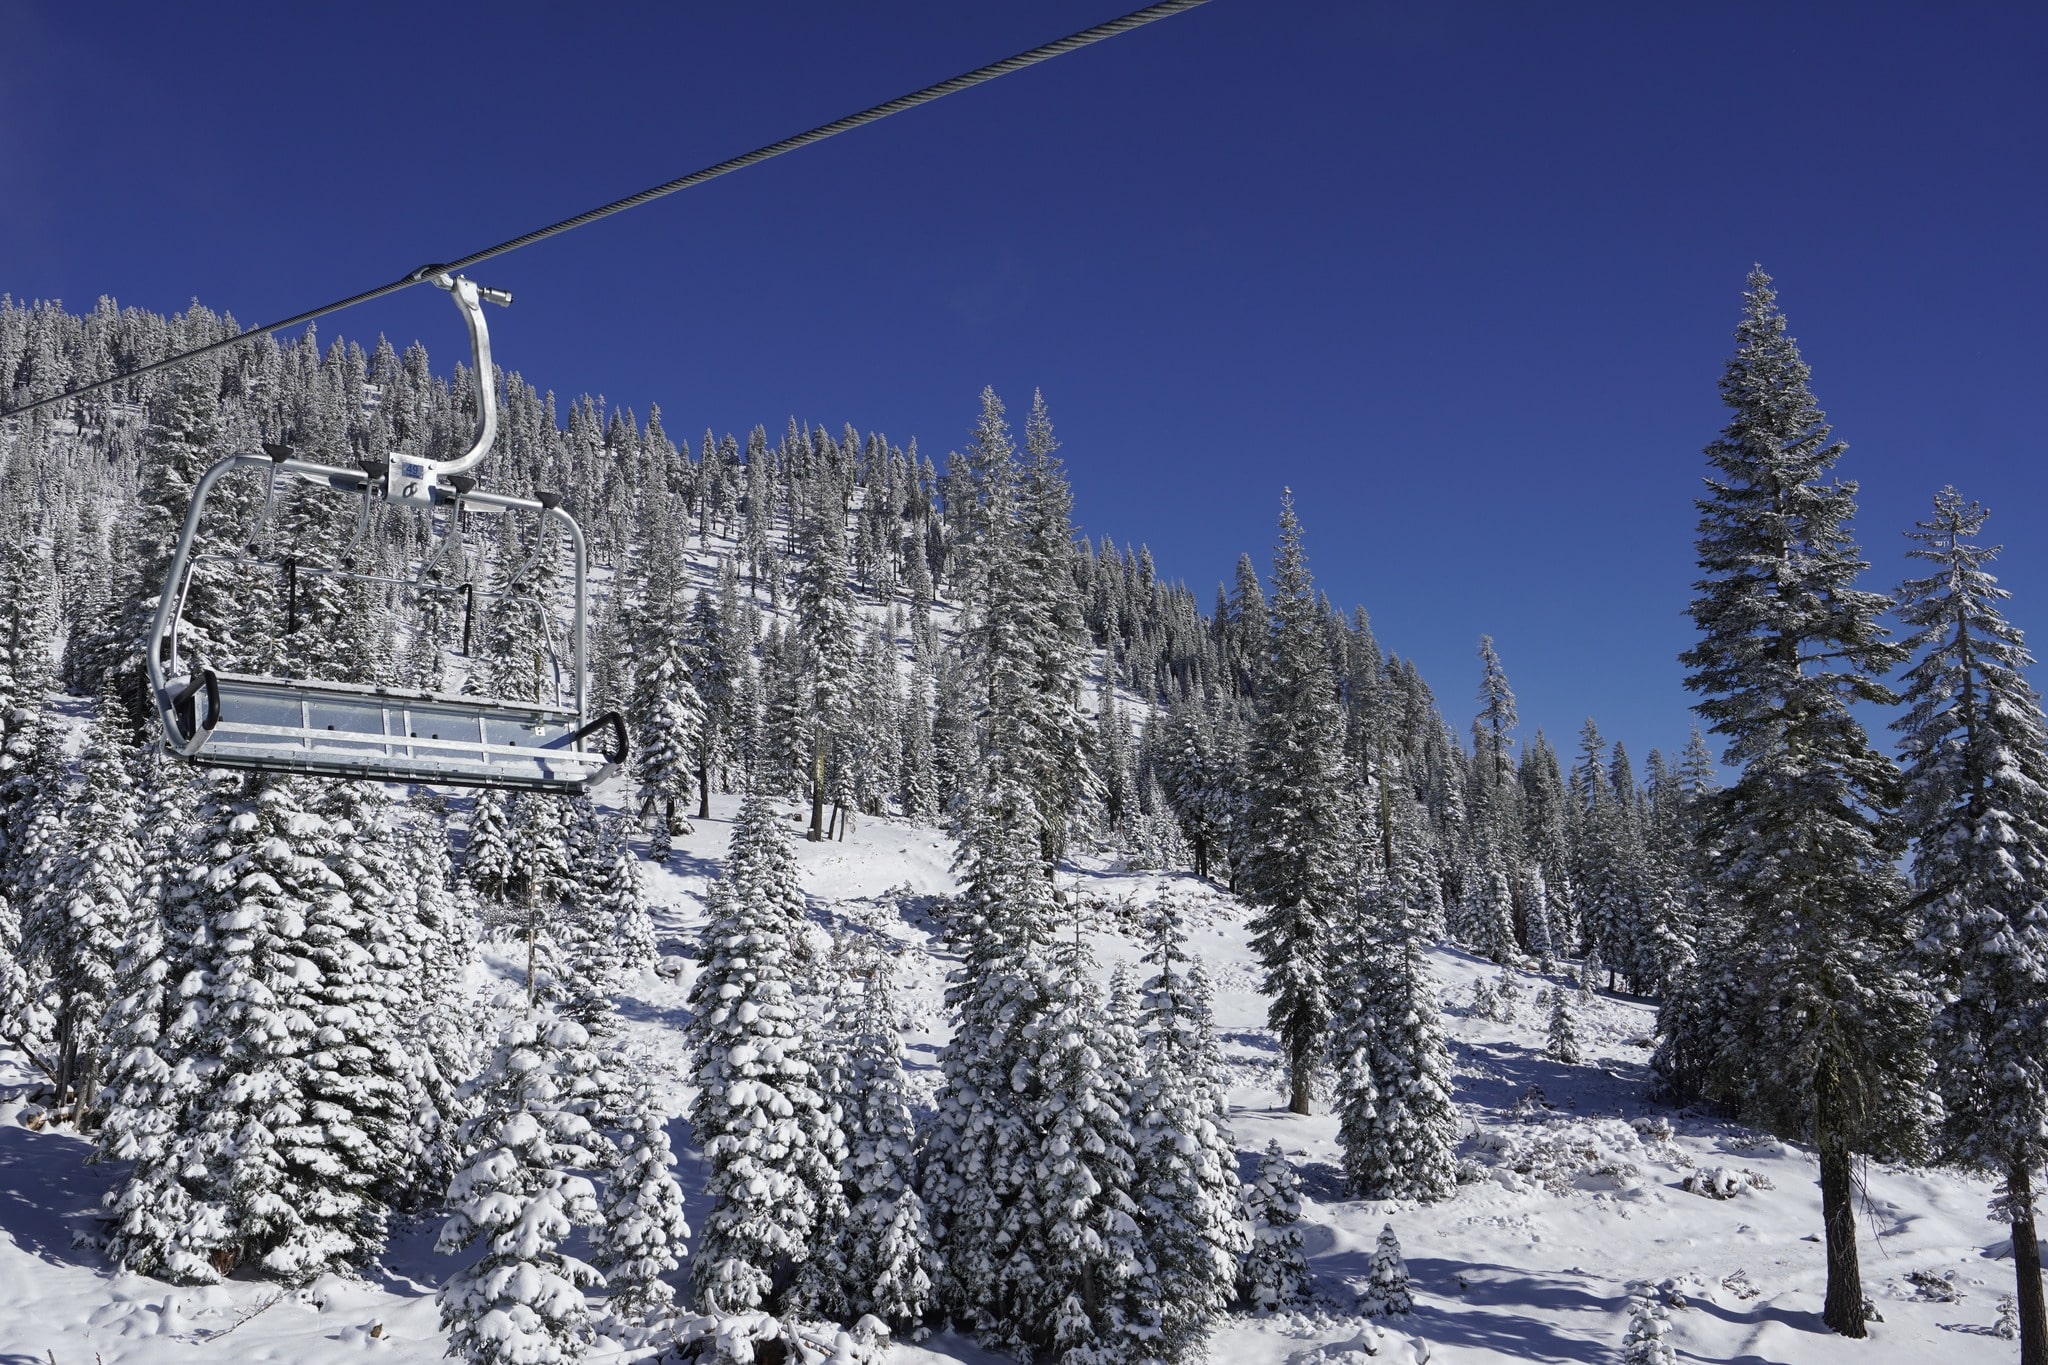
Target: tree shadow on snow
column 641, row 1011
column 1495, row 1077
column 1758, row 1313
column 47, row 1192
column 683, row 863
column 1480, row 1317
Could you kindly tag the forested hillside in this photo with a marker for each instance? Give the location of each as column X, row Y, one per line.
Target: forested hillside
column 291, row 1017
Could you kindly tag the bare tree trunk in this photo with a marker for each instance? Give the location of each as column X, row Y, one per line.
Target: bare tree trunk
column 1844, row 1310
column 2026, row 1263
column 532, row 938
column 1299, row 1077
column 817, row 833
column 703, row 784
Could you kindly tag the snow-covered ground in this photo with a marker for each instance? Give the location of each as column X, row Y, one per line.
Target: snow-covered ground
column 1576, row 1186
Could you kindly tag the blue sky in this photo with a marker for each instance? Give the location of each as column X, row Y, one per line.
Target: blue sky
column 1462, row 274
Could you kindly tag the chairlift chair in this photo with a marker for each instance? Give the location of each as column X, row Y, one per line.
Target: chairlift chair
column 224, row 719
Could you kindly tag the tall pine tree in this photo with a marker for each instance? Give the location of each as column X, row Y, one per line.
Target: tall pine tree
column 1298, row 865
column 1976, row 805
column 1822, row 1034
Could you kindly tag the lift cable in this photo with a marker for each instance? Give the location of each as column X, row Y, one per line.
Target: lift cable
column 980, row 75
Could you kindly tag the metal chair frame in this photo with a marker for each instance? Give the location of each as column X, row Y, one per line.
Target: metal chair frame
column 342, row 730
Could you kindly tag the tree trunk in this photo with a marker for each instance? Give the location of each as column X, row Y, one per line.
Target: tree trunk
column 817, row 833
column 703, row 785
column 532, row 938
column 1843, row 1311
column 1298, row 1089
column 2026, row 1263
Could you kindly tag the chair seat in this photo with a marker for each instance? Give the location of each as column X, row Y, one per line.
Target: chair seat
column 393, row 735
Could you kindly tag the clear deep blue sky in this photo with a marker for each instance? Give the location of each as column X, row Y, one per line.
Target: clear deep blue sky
column 1462, row 274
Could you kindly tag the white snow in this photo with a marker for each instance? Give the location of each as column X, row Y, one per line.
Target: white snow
column 1575, row 1187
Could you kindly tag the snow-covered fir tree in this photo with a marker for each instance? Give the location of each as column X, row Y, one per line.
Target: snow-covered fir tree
column 1386, row 1291
column 773, row 1149
column 1085, row 1267
column 885, row 1250
column 976, row 1169
column 641, row 1235
column 272, row 1134
column 1561, row 1043
column 516, row 1195
column 1298, row 862
column 829, row 645
column 1190, row 1206
column 488, row 860
column 1399, row 1125
column 1644, row 1342
column 1812, row 1013
column 1976, row 807
column 1275, row 1274
column 97, row 895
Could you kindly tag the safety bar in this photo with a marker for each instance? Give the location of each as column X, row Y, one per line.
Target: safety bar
column 611, row 720
column 183, row 702
column 160, row 657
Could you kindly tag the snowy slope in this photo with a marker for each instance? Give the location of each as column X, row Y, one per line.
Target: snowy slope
column 1575, row 1189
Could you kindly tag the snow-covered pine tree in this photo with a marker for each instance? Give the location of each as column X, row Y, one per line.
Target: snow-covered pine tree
column 1084, row 1054
column 1275, row 1273
column 830, row 645
column 252, row 1146
column 1400, row 1126
column 1115, row 758
column 438, row 1015
column 773, row 1148
column 975, row 1169
column 585, row 925
column 717, row 677
column 1822, row 1019
column 521, row 1302
column 514, row 658
column 1298, row 862
column 671, row 734
column 1023, row 643
column 345, row 1147
column 621, row 892
column 488, row 859
column 1648, row 1325
column 1190, row 1206
column 101, row 874
column 663, row 705
column 1976, row 807
column 1198, row 765
column 144, row 1093
column 1386, row 1292
column 1562, row 1042
column 885, row 1251
column 1062, row 741
column 920, row 794
column 641, row 1235
column 541, row 874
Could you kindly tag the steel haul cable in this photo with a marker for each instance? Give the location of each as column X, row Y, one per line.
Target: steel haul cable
column 980, row 75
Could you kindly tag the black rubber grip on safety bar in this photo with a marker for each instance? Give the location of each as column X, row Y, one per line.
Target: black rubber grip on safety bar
column 184, row 704
column 618, row 728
